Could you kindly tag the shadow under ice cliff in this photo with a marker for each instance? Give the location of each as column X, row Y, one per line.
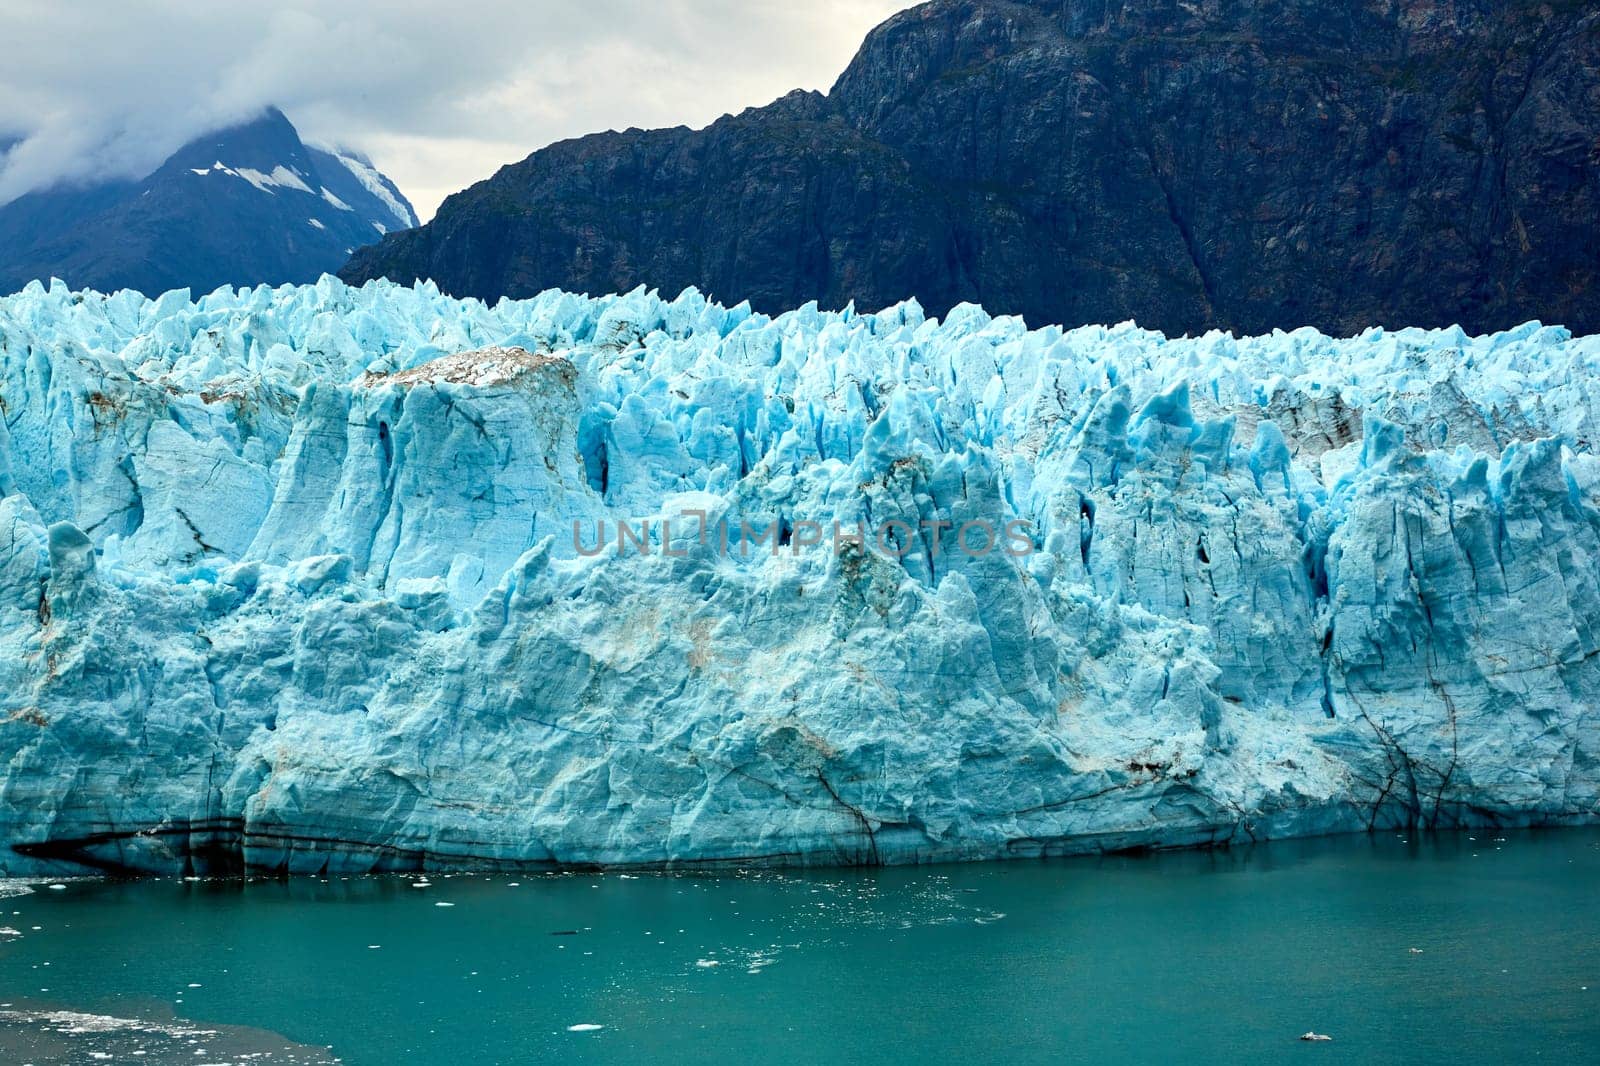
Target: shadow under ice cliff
column 288, row 581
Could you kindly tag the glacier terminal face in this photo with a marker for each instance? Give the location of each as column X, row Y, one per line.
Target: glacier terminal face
column 338, row 579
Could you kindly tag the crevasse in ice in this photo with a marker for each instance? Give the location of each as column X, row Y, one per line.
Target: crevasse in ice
column 314, row 579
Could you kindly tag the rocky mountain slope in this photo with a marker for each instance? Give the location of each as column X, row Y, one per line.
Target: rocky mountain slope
column 332, row 579
column 1246, row 164
column 248, row 205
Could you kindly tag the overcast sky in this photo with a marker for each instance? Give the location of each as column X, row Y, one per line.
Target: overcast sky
column 439, row 94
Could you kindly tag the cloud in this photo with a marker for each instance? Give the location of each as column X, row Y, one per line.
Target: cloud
column 439, row 94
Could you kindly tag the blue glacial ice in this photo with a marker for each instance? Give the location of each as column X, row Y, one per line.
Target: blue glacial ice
column 289, row 581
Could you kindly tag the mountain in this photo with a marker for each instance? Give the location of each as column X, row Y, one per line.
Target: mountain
column 1190, row 164
column 245, row 205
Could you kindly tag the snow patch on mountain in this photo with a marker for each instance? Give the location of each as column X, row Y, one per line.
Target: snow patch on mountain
column 280, row 177
column 376, row 184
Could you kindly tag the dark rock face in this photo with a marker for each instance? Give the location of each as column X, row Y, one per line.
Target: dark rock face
column 1247, row 164
column 242, row 206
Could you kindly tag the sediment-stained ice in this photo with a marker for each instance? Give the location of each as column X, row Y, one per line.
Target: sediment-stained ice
column 348, row 579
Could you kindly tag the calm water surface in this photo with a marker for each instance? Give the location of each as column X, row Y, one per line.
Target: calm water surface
column 1439, row 950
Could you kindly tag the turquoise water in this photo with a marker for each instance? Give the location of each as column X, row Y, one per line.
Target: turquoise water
column 1441, row 950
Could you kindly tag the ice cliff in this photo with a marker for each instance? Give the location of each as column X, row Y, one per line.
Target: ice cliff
column 289, row 580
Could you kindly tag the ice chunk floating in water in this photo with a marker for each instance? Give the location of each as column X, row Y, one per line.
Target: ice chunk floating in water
column 289, row 579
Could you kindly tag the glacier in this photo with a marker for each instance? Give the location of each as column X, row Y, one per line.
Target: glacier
column 310, row 579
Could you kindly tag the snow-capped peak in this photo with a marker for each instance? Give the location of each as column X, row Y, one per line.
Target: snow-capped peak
column 230, row 203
